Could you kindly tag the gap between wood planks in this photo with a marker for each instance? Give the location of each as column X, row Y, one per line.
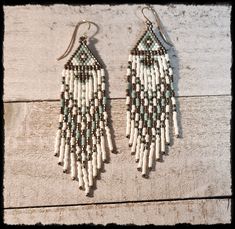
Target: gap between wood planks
column 57, row 100
column 125, row 202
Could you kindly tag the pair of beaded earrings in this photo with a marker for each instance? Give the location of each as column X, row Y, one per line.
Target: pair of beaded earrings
column 83, row 120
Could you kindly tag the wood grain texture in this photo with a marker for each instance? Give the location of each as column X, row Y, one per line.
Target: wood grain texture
column 158, row 213
column 198, row 164
column 36, row 35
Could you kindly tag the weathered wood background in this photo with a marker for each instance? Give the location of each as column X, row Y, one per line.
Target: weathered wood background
column 191, row 185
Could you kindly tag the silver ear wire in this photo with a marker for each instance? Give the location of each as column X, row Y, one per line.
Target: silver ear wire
column 159, row 24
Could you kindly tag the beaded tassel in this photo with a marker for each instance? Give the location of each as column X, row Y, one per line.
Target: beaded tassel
column 149, row 97
column 83, row 118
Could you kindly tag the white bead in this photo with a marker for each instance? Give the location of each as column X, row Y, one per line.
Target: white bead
column 99, row 156
column 73, row 164
column 173, row 100
column 61, row 157
column 170, row 71
column 157, row 148
column 66, row 157
column 90, row 176
column 102, row 72
column 132, row 132
column 134, row 140
column 94, row 81
column 167, row 108
column 144, row 165
column 85, row 179
column 128, row 71
column 63, row 72
column 167, row 131
column 79, row 169
column 103, row 86
column 98, row 77
column 175, row 123
column 62, row 89
column 110, row 144
column 151, row 153
column 94, row 164
column 141, row 156
column 162, row 140
column 130, row 58
column 103, row 152
column 137, row 155
column 57, row 142
column 128, row 100
column 128, row 120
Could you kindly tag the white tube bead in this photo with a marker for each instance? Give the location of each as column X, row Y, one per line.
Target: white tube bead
column 162, row 139
column 90, row 176
column 71, row 82
column 110, row 144
column 132, row 132
column 62, row 145
column 167, row 57
column 173, row 100
column 75, row 91
column 141, row 156
column 66, row 158
column 63, row 72
column 57, row 142
column 137, row 154
column 87, row 93
column 144, row 165
column 167, row 133
column 103, row 151
column 85, row 179
column 90, row 89
column 176, row 128
column 73, row 165
column 134, row 140
column 94, row 164
column 130, row 58
column 62, row 88
column 79, row 92
column 128, row 99
column 128, row 123
column 79, row 169
column 102, row 72
column 94, row 81
column 99, row 156
column 157, row 147
column 145, row 79
column 67, row 77
column 98, row 77
column 128, row 71
column 151, row 153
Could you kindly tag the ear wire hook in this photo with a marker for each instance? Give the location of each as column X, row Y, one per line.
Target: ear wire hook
column 159, row 24
column 68, row 50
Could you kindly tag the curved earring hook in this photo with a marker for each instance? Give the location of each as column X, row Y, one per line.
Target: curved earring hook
column 68, row 50
column 159, row 24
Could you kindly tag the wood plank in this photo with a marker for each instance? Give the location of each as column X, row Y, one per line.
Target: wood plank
column 36, row 35
column 157, row 213
column 198, row 164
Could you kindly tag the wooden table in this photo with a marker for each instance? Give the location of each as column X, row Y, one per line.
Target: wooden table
column 192, row 184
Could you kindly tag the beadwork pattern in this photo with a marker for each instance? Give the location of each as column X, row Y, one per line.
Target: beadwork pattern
column 80, row 142
column 149, row 97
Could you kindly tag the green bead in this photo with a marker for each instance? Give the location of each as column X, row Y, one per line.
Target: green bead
column 78, row 135
column 133, row 94
column 62, row 103
column 141, row 109
column 83, row 141
column 163, row 102
column 149, row 123
column 154, row 116
column 96, row 116
column 93, row 125
column 88, row 133
column 65, row 110
column 158, row 108
column 129, row 86
column 104, row 100
column 100, row 109
column 172, row 86
column 167, row 94
column 145, row 116
column 137, row 101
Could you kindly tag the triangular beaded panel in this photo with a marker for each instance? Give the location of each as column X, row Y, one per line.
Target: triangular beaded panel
column 83, row 57
column 148, row 42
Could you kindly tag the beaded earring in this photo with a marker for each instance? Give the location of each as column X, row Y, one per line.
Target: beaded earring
column 80, row 142
column 149, row 97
